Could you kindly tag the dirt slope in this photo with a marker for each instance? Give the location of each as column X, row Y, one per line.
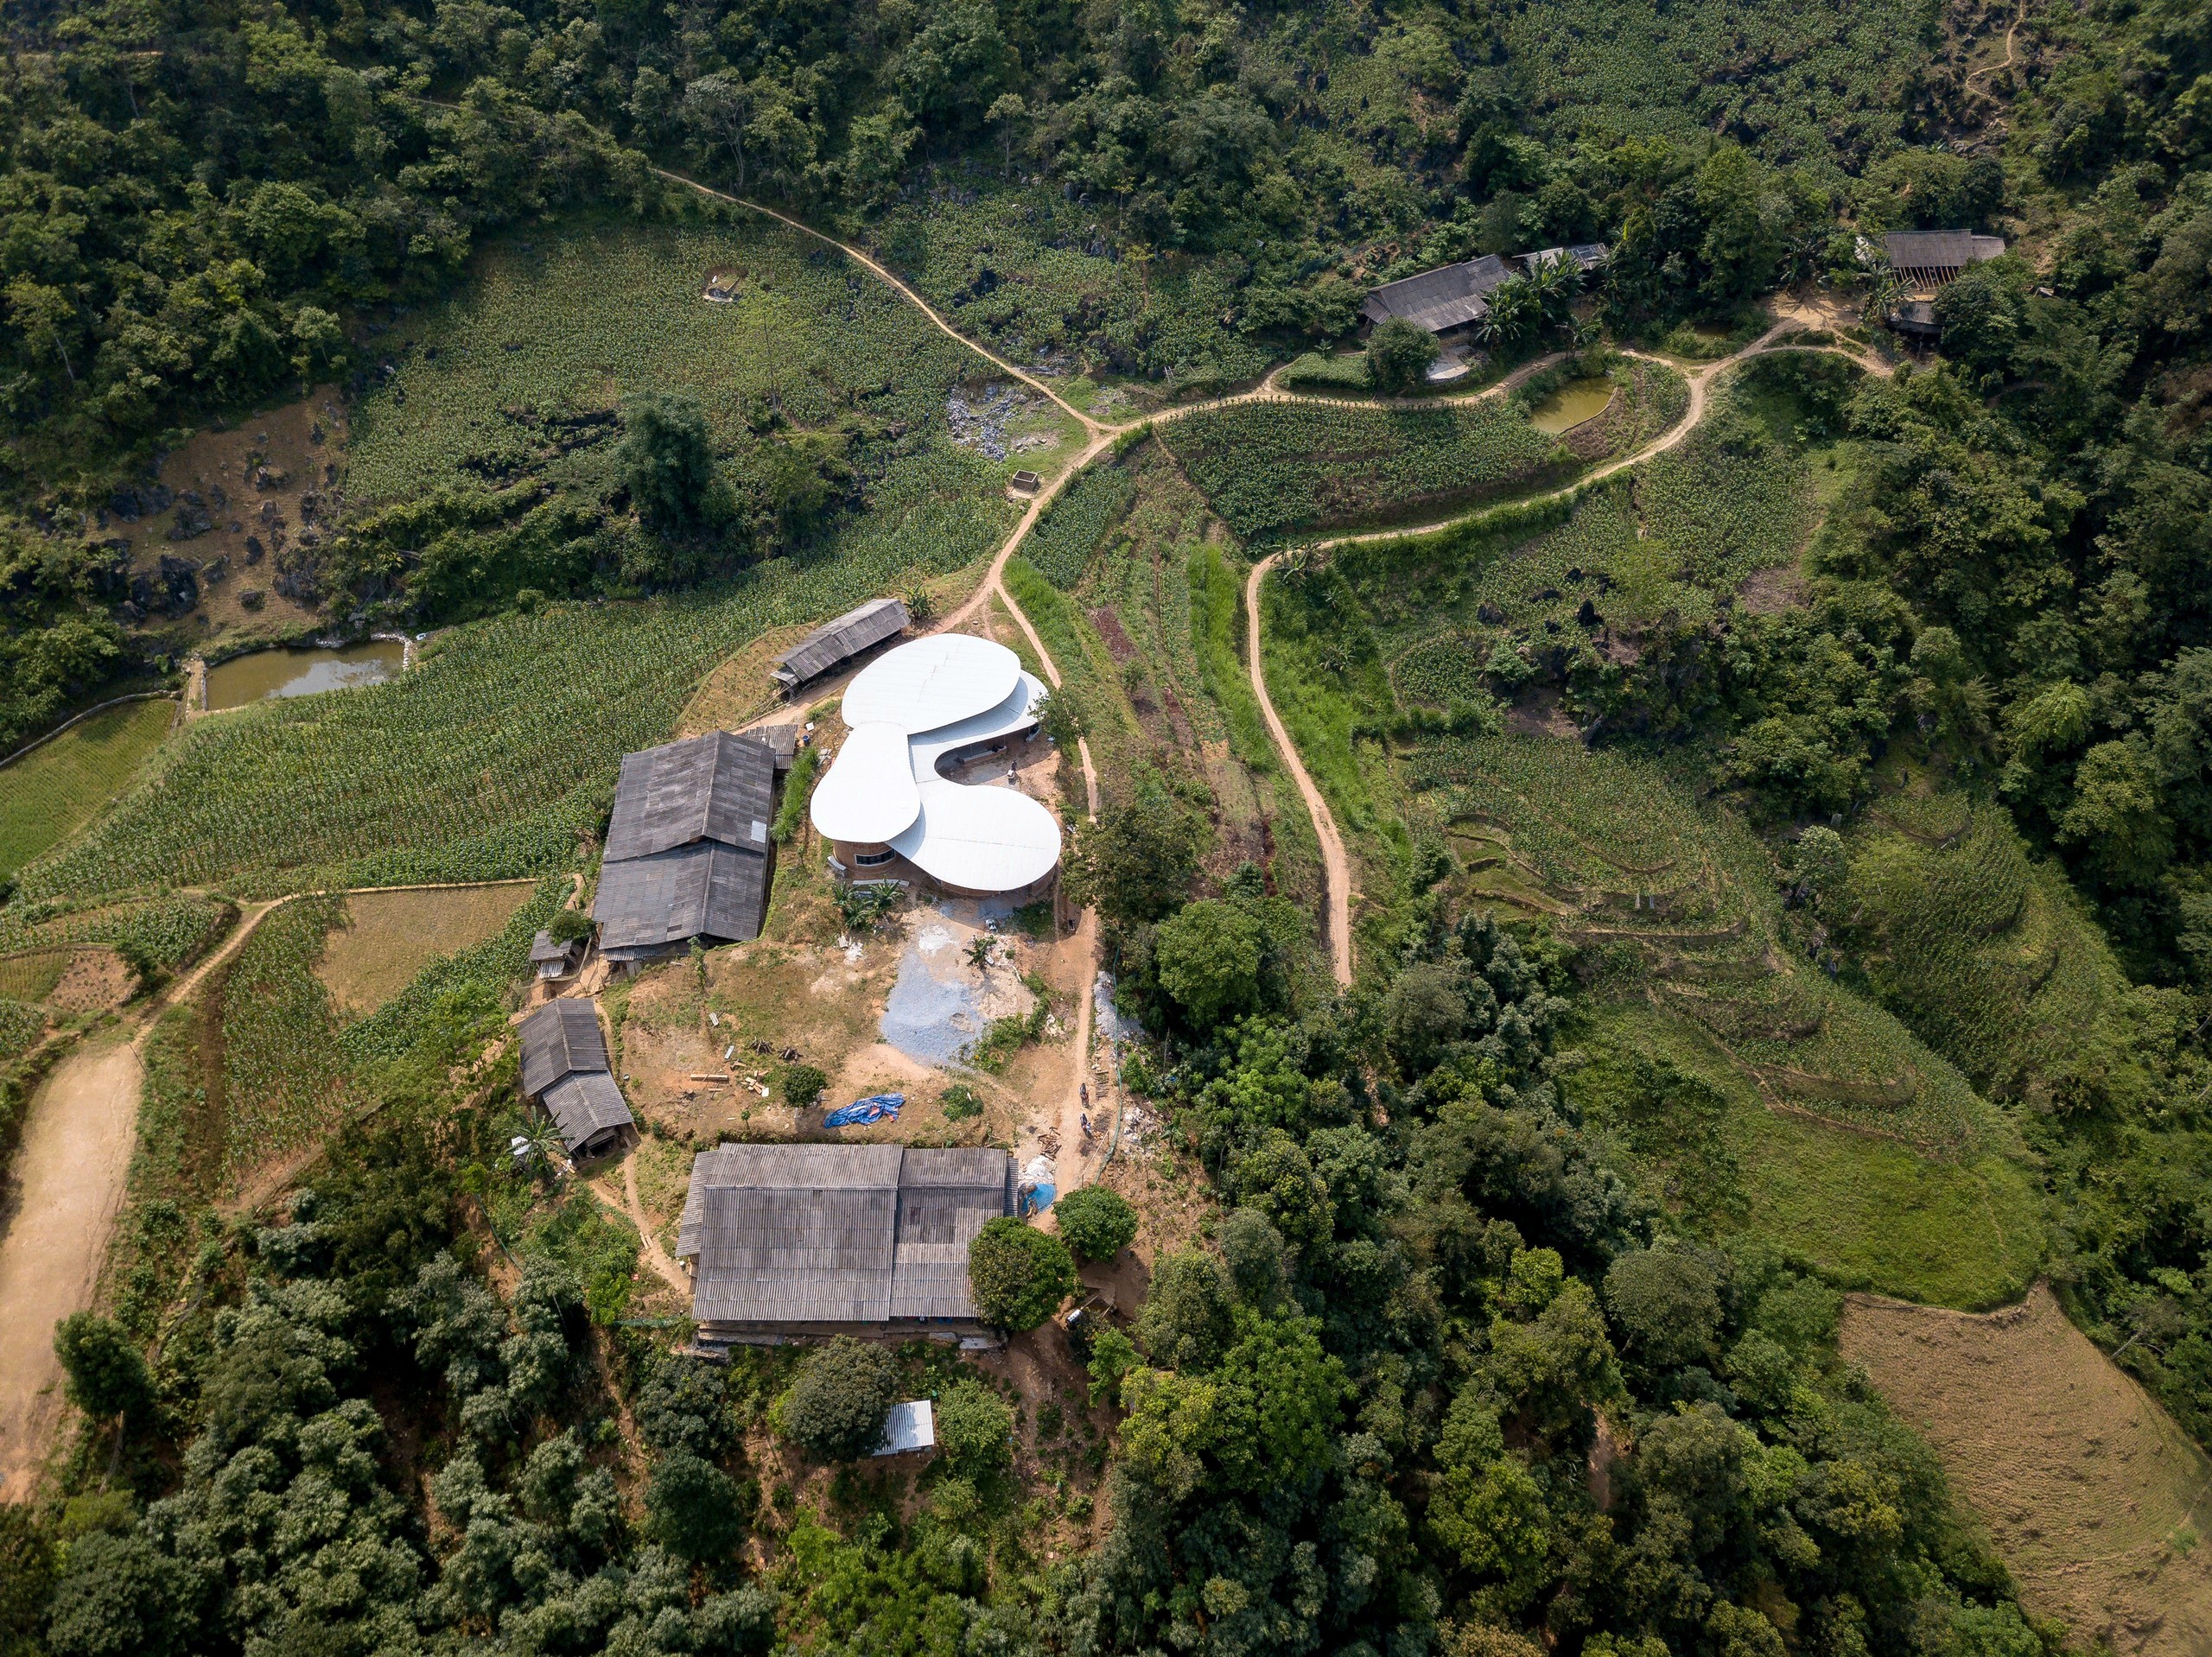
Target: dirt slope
column 2094, row 1496
column 75, row 1152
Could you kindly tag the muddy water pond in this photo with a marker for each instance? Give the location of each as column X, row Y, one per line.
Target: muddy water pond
column 1573, row 404
column 302, row 673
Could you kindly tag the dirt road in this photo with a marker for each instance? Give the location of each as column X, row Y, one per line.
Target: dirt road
column 70, row 1167
column 1337, row 866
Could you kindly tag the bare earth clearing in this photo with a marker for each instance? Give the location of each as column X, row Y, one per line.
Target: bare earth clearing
column 2092, row 1494
column 76, row 1149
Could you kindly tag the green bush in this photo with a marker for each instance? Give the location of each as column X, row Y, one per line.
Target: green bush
column 694, row 1508
column 835, row 1410
column 975, row 1431
column 107, row 1373
column 1019, row 1275
column 802, row 1085
column 961, row 1101
column 569, row 925
column 1095, row 1223
column 798, row 787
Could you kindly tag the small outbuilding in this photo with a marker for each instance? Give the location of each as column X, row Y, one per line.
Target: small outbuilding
column 834, row 644
column 564, row 1069
column 687, row 853
column 550, row 959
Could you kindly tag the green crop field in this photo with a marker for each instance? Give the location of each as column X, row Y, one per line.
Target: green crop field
column 486, row 762
column 1841, row 1136
column 1078, row 523
column 508, row 377
column 51, row 792
column 1987, row 954
column 284, row 1080
column 1024, row 270
column 163, row 931
column 1279, row 465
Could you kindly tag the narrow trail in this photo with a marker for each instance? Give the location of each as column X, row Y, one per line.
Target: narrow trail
column 67, row 1186
column 1336, row 865
column 2012, row 33
column 1103, row 438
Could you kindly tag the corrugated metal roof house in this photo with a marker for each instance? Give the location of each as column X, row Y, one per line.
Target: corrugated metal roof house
column 835, row 642
column 565, row 1069
column 1931, row 258
column 1455, row 297
column 787, row 1240
column 687, row 850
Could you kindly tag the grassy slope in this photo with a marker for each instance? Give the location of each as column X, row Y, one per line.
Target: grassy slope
column 53, row 791
column 1833, row 1130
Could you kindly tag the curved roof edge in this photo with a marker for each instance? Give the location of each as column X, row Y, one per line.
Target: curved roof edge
column 981, row 837
column 868, row 794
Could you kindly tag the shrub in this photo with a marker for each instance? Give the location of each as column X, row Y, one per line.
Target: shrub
column 961, row 1101
column 1020, row 1274
column 1096, row 1223
column 835, row 1410
column 569, row 925
column 695, row 1508
column 803, row 1085
column 975, row 1431
column 1398, row 353
column 798, row 787
column 107, row 1372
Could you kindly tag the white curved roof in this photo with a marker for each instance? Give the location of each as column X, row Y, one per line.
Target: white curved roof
column 981, row 838
column 1010, row 718
column 931, row 683
column 868, row 795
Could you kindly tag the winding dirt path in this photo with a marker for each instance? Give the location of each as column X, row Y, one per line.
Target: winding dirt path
column 1102, row 438
column 1337, row 865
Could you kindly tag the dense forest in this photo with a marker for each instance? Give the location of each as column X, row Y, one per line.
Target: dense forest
column 1385, row 1409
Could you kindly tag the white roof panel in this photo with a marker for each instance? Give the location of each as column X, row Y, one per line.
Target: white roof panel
column 1010, row 718
column 868, row 795
column 932, row 681
column 981, row 838
column 910, row 1427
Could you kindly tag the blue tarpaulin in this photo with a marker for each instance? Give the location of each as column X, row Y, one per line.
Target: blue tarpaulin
column 862, row 1112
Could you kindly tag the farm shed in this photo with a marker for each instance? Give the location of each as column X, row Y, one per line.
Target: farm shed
column 687, row 849
column 564, row 1069
column 551, row 960
column 835, row 642
column 787, row 1240
column 1926, row 260
column 1453, row 297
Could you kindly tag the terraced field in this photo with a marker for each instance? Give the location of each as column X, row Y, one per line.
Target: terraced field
column 1830, row 1128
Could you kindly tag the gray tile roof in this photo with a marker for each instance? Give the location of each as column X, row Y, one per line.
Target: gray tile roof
column 1452, row 295
column 588, row 1108
column 561, row 1038
column 837, row 1234
column 712, row 787
column 706, row 890
column 687, row 849
column 565, row 1069
column 1939, row 249
column 839, row 641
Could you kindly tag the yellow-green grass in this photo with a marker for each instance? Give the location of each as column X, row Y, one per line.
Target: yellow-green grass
column 1964, row 1231
column 56, row 789
column 32, row 975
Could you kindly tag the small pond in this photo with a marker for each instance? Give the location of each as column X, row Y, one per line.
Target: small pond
column 302, row 673
column 1573, row 404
